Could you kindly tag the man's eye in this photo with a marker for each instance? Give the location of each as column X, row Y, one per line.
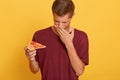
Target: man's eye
column 56, row 21
column 64, row 22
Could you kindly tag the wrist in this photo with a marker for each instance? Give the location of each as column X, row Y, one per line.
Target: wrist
column 32, row 60
column 69, row 45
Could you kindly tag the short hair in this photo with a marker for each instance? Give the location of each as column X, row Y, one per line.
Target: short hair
column 63, row 7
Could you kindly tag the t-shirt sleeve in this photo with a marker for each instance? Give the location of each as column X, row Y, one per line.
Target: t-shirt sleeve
column 83, row 48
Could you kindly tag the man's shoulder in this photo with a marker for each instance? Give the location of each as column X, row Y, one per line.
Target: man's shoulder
column 42, row 31
column 80, row 32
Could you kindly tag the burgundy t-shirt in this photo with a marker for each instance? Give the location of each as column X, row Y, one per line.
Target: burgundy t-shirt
column 54, row 60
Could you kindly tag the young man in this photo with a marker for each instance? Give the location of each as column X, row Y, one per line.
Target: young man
column 66, row 52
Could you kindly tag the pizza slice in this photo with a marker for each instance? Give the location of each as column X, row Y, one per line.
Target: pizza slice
column 32, row 45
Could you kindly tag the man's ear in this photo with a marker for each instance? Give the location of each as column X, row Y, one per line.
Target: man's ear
column 71, row 16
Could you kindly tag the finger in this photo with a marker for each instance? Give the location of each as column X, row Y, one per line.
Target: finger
column 63, row 31
column 56, row 25
column 25, row 48
column 71, row 31
column 33, row 55
column 30, row 53
column 59, row 31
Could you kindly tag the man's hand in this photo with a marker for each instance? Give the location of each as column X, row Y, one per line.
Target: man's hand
column 65, row 36
column 33, row 64
column 30, row 54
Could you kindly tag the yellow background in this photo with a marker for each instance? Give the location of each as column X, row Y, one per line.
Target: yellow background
column 100, row 19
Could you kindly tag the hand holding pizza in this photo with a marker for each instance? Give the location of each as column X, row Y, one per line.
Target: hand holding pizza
column 30, row 49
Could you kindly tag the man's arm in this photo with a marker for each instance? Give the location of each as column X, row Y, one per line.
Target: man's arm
column 33, row 64
column 67, row 39
column 76, row 62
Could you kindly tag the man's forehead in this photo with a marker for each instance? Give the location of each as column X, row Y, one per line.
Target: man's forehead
column 64, row 16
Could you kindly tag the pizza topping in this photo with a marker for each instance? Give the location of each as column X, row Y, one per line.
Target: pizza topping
column 35, row 45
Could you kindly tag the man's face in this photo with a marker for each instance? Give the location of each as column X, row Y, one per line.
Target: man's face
column 63, row 22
